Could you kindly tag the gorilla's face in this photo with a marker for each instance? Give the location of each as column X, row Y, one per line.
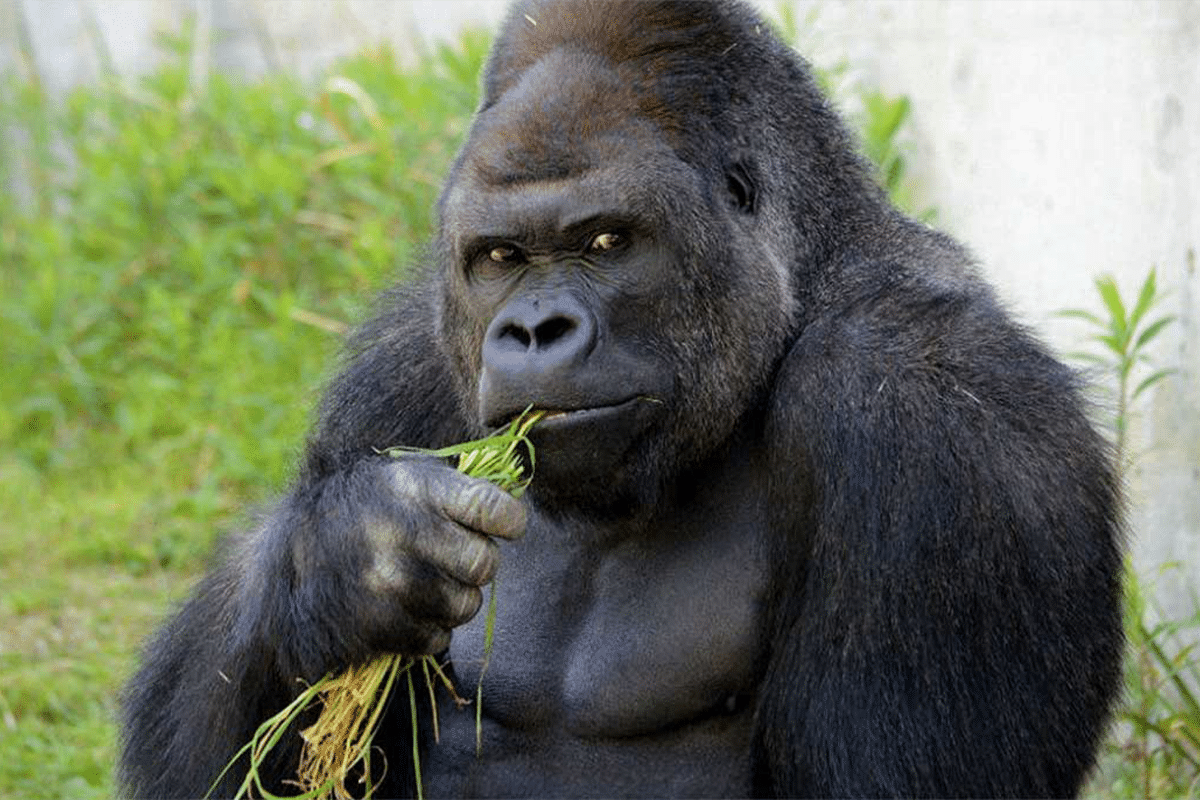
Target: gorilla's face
column 592, row 273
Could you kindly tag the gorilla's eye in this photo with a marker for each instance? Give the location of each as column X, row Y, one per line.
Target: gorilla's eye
column 503, row 254
column 604, row 241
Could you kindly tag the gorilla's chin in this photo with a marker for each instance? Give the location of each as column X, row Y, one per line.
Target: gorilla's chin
column 597, row 456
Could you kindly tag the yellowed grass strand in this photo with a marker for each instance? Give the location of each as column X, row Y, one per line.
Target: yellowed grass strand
column 437, row 732
column 352, row 705
column 416, row 749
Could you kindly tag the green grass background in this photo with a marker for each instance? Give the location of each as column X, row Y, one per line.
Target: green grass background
column 176, row 266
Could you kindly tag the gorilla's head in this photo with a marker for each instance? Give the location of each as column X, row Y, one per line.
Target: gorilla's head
column 632, row 231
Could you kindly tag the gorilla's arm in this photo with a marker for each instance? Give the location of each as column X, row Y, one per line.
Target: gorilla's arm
column 958, row 512
column 354, row 561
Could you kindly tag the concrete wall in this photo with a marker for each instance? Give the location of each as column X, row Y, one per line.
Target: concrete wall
column 1059, row 140
column 1056, row 137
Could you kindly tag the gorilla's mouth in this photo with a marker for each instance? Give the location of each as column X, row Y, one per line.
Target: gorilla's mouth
column 576, row 447
column 571, row 416
column 555, row 418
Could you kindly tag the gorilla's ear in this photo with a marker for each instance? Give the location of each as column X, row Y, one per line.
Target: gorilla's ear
column 742, row 190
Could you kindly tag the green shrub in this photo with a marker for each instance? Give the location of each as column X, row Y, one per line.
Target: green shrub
column 201, row 254
column 177, row 268
column 1154, row 750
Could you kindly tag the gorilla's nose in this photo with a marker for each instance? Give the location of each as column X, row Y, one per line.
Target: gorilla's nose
column 540, row 335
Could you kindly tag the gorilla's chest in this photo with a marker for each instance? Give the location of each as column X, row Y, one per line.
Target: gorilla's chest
column 655, row 637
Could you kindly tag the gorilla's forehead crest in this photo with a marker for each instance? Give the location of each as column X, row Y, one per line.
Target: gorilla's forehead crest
column 668, row 62
column 571, row 83
column 567, row 114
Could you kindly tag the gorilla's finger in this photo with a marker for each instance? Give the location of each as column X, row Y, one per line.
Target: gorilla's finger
column 466, row 556
column 479, row 505
column 470, row 502
column 426, row 591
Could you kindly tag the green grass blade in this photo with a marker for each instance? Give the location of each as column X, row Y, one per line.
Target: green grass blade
column 1079, row 313
column 1163, row 733
column 1152, row 331
column 1116, row 344
column 1116, row 309
column 1146, row 298
column 1186, row 696
column 1150, row 381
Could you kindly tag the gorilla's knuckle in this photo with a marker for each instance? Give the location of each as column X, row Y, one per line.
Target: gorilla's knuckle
column 463, row 603
column 475, row 563
column 436, row 641
column 407, row 479
column 387, row 575
column 470, row 499
column 484, row 507
column 508, row 516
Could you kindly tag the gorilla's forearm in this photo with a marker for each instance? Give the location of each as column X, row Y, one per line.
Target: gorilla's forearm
column 211, row 676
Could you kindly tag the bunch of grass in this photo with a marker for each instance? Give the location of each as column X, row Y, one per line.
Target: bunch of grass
column 339, row 744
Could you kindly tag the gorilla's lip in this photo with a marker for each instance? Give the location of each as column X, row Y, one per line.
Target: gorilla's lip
column 567, row 416
column 557, row 417
column 577, row 447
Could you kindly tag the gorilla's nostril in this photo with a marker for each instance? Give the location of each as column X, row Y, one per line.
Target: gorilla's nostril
column 517, row 332
column 552, row 330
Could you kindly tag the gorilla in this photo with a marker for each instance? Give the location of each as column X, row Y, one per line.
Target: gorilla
column 812, row 515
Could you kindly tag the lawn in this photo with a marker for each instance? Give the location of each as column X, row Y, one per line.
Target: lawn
column 172, row 298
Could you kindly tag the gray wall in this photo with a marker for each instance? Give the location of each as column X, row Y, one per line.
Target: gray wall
column 1056, row 137
column 1059, row 140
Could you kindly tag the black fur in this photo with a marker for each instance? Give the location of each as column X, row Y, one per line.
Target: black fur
column 833, row 525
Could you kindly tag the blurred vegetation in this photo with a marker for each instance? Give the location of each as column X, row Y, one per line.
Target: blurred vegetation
column 178, row 266
column 880, row 119
column 1154, row 750
column 1124, row 334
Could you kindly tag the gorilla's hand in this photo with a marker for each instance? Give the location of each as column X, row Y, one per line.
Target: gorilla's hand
column 429, row 550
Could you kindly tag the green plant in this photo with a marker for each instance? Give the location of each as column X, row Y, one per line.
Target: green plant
column 882, row 121
column 176, row 267
column 1164, row 707
column 879, row 118
column 1125, row 335
column 1159, row 744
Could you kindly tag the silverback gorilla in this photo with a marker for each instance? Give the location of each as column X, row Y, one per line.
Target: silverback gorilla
column 812, row 516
